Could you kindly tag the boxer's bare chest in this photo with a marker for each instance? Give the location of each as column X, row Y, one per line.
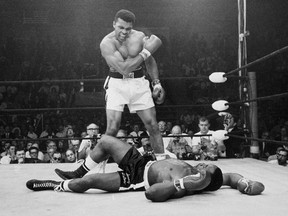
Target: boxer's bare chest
column 129, row 48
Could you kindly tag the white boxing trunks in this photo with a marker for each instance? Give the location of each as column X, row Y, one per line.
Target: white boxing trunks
column 145, row 177
column 135, row 92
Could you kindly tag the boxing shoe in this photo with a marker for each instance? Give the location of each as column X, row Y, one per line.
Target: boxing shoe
column 40, row 185
column 67, row 174
column 249, row 187
column 158, row 92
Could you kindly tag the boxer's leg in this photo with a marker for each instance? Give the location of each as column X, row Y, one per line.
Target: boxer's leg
column 107, row 146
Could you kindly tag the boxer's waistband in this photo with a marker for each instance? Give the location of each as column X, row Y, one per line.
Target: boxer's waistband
column 138, row 73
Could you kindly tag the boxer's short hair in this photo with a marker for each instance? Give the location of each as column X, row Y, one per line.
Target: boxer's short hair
column 125, row 15
column 216, row 180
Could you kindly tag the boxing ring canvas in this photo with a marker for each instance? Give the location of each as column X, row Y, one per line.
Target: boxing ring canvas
column 16, row 199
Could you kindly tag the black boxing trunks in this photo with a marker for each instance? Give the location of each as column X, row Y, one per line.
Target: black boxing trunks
column 133, row 166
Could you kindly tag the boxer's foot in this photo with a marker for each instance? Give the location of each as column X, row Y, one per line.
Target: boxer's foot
column 40, row 185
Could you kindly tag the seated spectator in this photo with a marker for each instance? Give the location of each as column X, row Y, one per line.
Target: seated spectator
column 162, row 129
column 33, row 156
column 206, row 147
column 61, row 131
column 169, row 127
column 51, row 148
column 5, row 148
column 8, row 133
column 10, row 157
column 178, row 145
column 40, row 153
column 90, row 141
column 20, row 157
column 31, row 133
column 282, row 156
column 136, row 133
column 70, row 156
column 61, row 147
column 147, row 150
column 28, row 146
column 69, row 134
column 266, row 149
column 56, row 158
column 274, row 156
column 75, row 147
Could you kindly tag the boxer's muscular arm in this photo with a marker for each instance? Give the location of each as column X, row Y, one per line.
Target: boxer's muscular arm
column 115, row 59
column 163, row 191
column 152, row 68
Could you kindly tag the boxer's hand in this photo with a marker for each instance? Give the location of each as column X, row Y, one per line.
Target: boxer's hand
column 158, row 92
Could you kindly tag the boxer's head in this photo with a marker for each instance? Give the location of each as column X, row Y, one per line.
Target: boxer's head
column 123, row 24
column 216, row 176
column 125, row 15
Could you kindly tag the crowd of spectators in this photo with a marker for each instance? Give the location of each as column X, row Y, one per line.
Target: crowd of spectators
column 62, row 138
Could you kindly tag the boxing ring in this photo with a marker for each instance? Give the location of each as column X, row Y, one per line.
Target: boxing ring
column 16, row 199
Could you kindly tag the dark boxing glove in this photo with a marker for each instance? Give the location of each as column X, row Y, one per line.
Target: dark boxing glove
column 158, row 92
column 193, row 182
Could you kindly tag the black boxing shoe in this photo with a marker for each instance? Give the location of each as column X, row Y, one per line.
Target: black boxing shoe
column 40, row 185
column 67, row 174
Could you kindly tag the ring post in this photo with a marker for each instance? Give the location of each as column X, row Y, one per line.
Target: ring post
column 253, row 113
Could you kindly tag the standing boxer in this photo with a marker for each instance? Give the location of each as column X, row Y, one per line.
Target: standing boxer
column 126, row 51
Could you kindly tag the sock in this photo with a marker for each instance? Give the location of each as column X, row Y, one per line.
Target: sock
column 85, row 167
column 65, row 185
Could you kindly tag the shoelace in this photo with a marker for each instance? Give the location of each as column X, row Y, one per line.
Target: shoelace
column 43, row 185
column 59, row 188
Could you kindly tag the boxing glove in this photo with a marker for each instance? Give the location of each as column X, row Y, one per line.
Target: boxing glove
column 249, row 187
column 193, row 182
column 158, row 92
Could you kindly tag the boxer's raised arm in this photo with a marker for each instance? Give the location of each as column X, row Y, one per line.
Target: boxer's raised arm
column 114, row 58
column 116, row 61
